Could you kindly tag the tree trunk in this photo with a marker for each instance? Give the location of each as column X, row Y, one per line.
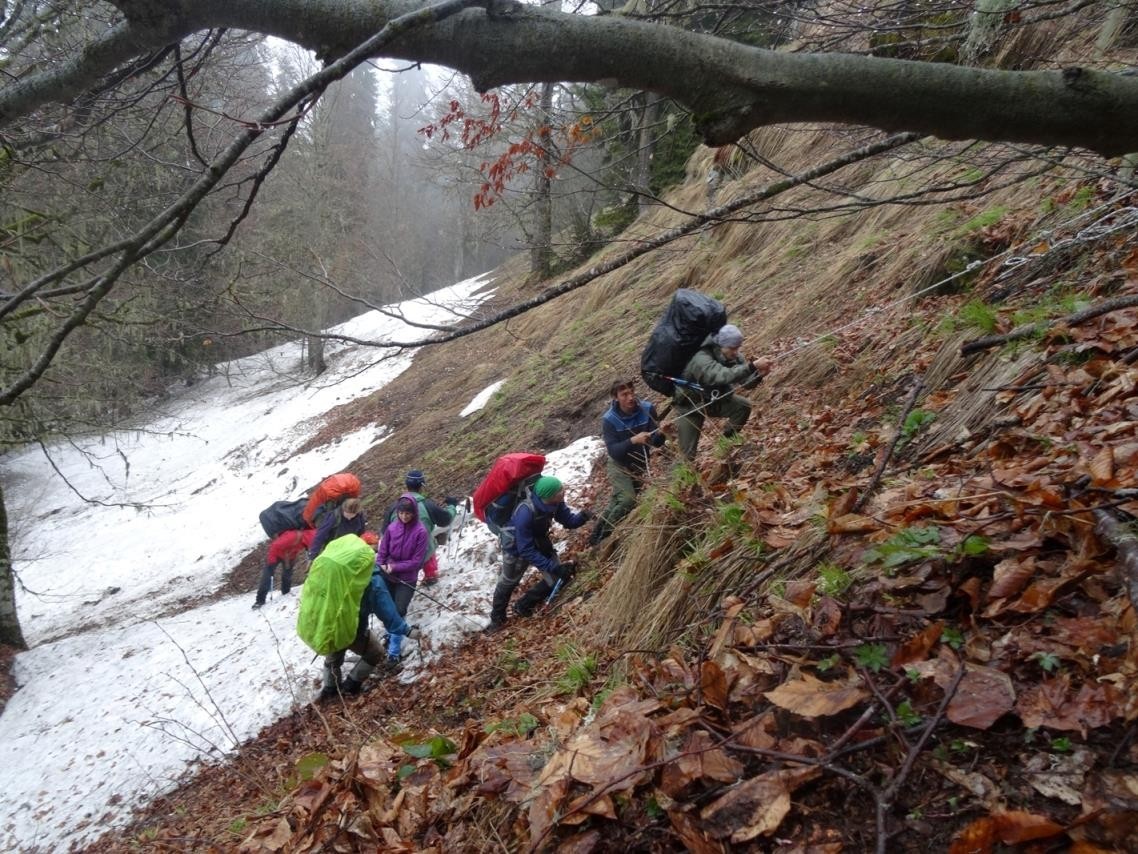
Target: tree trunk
column 10, row 632
column 645, row 147
column 541, row 252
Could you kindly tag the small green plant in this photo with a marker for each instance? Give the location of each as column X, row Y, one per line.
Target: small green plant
column 858, row 439
column 1049, row 661
column 971, row 546
column 579, row 670
column 978, row 315
column 833, row 580
column 512, row 661
column 1081, row 199
column 237, row 826
column 913, row 675
column 983, row 219
column 724, row 445
column 732, row 518
column 520, row 726
column 828, row 663
column 907, row 715
column 915, row 421
column 437, row 747
column 148, row 834
column 952, row 636
column 871, row 656
column 654, row 810
column 1062, row 744
column 906, row 546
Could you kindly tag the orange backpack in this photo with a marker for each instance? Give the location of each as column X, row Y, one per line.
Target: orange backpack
column 330, row 494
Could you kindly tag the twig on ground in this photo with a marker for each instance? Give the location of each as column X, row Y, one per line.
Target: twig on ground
column 910, row 401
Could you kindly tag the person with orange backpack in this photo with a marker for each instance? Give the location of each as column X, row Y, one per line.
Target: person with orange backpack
column 525, row 542
column 348, row 518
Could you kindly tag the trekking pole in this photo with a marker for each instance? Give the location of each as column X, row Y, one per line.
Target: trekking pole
column 452, row 544
column 553, row 592
column 433, row 599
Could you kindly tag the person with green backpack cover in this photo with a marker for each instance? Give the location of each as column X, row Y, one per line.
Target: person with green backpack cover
column 341, row 591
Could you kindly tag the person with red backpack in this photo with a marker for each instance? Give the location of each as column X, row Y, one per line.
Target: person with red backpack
column 525, row 542
column 348, row 518
column 284, row 550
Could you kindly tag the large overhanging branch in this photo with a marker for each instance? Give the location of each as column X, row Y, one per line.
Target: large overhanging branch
column 730, row 87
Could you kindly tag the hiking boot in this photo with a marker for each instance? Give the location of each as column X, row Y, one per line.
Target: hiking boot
column 495, row 625
column 524, row 613
column 413, row 633
column 350, row 687
column 431, row 582
column 600, row 531
column 258, row 605
column 328, row 693
column 391, row 666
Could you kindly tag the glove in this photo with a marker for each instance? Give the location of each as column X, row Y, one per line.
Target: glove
column 566, row 570
column 452, row 501
column 587, row 515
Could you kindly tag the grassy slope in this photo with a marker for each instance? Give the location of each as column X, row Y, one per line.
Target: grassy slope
column 782, row 281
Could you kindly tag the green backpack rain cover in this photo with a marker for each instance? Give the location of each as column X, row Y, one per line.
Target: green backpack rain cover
column 330, row 598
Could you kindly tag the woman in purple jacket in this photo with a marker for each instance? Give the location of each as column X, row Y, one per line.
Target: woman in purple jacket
column 402, row 552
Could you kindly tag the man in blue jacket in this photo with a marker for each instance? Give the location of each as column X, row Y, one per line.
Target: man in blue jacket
column 631, row 429
column 526, row 542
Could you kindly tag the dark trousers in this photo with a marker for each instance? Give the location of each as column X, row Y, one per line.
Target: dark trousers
column 365, row 646
column 267, row 579
column 401, row 592
column 510, row 576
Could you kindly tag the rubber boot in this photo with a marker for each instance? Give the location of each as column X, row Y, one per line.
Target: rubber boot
column 600, row 531
column 501, row 600
column 533, row 599
column 332, row 681
column 355, row 681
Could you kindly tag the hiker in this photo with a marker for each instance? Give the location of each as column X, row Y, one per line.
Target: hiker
column 433, row 515
column 348, row 518
column 284, row 550
column 402, row 552
column 333, row 615
column 631, row 428
column 715, row 367
column 525, row 541
column 377, row 600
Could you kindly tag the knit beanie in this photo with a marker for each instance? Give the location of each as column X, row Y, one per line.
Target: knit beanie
column 546, row 487
column 729, row 336
column 414, row 479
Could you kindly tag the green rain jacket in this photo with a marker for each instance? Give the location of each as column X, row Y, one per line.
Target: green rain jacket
column 329, row 614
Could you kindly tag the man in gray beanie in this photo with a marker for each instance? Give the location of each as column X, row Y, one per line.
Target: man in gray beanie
column 716, row 367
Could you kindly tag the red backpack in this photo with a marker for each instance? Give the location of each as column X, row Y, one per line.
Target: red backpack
column 504, row 486
column 330, row 494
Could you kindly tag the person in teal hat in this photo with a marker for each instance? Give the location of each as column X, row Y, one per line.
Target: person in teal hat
column 525, row 543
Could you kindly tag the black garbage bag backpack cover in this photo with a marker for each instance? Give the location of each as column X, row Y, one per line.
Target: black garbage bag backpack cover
column 690, row 318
